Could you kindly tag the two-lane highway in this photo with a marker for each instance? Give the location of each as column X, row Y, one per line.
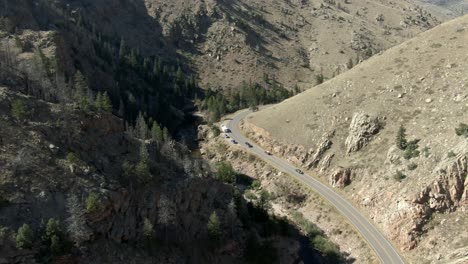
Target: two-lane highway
column 382, row 247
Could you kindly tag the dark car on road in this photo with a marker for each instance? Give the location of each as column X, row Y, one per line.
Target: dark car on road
column 233, row 141
column 248, row 145
column 299, row 171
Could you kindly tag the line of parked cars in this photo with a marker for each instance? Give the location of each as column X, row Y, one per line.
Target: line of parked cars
column 233, row 141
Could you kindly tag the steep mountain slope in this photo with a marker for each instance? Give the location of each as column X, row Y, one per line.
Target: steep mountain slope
column 446, row 9
column 91, row 191
column 89, row 171
column 292, row 41
column 346, row 130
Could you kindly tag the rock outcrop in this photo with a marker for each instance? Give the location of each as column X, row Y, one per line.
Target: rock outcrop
column 340, row 178
column 450, row 189
column 363, row 127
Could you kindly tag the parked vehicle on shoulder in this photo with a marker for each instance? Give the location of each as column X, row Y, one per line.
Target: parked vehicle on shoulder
column 268, row 152
column 234, row 141
column 227, row 136
column 299, row 171
column 224, row 129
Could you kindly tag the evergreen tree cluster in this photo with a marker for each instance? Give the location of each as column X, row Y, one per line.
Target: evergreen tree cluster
column 410, row 147
column 250, row 95
column 53, row 241
column 108, row 74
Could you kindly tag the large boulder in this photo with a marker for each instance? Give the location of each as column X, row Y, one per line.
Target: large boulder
column 363, row 127
column 341, row 177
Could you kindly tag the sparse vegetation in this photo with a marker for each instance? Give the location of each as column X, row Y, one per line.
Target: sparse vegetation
column 72, row 158
column 426, row 151
column 451, row 154
column 411, row 150
column 18, row 110
column 462, row 130
column 412, row 166
column 250, row 195
column 93, row 203
column 24, row 237
column 317, row 238
column 399, row 176
column 225, row 172
column 216, row 131
column 319, row 78
column 255, row 184
column 401, row 141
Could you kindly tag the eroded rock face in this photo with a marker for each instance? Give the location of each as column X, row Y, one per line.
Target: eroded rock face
column 450, row 190
column 205, row 132
column 326, row 162
column 445, row 194
column 340, row 178
column 363, row 127
column 324, row 145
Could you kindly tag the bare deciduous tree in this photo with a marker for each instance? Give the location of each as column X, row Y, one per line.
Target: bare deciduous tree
column 167, row 212
column 76, row 222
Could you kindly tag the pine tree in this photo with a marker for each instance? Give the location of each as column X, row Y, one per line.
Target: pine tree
column 148, row 228
column 214, row 227
column 166, row 134
column 144, row 155
column 52, row 228
column 93, row 203
column 157, row 66
column 54, row 237
column 156, row 132
column 142, row 169
column 146, row 64
column 24, row 237
column 98, row 101
column 82, row 91
column 56, row 245
column 106, row 103
column 141, row 127
column 401, row 140
column 122, row 50
column 179, row 75
column 133, row 58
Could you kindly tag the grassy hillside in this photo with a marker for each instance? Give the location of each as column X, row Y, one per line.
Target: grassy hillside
column 346, row 128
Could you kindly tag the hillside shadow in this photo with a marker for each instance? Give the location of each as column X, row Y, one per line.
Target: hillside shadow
column 239, row 14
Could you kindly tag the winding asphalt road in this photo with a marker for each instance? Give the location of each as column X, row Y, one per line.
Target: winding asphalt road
column 382, row 247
